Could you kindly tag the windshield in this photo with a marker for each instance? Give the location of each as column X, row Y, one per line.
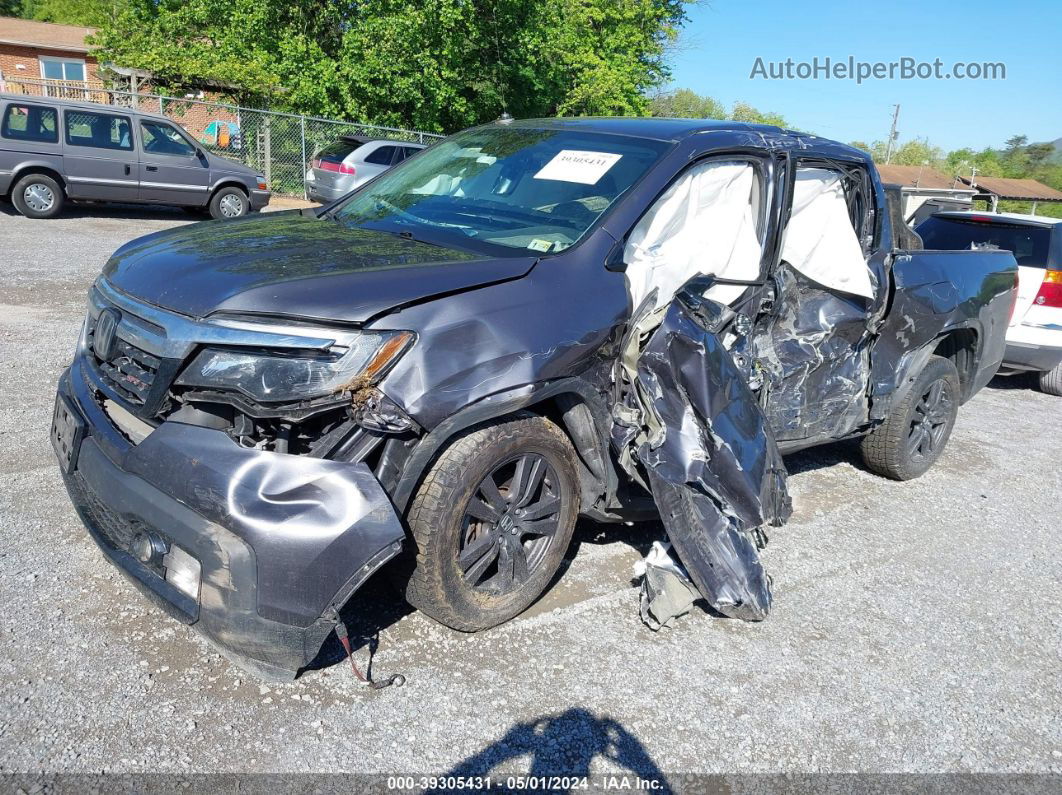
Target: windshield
column 1028, row 243
column 511, row 190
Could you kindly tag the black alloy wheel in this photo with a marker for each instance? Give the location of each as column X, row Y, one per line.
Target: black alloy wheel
column 509, row 524
column 930, row 421
column 491, row 522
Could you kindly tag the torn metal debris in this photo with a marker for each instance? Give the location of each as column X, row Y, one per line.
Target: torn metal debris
column 667, row 591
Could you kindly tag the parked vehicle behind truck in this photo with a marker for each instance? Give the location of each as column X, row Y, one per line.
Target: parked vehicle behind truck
column 55, row 150
column 1034, row 337
column 528, row 322
column 351, row 161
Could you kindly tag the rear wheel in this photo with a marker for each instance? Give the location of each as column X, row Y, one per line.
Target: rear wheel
column 492, row 522
column 1051, row 381
column 38, row 196
column 229, row 202
column 917, row 429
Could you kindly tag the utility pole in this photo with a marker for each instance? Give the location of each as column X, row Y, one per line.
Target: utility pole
column 893, row 134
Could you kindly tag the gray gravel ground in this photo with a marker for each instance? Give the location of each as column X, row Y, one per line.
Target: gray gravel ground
column 916, row 625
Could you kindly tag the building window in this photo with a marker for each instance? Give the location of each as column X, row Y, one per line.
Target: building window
column 62, row 69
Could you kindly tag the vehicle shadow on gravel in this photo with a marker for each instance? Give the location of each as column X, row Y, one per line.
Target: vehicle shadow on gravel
column 1016, row 381
column 370, row 611
column 379, row 604
column 827, row 455
column 122, row 211
column 639, row 536
column 565, row 744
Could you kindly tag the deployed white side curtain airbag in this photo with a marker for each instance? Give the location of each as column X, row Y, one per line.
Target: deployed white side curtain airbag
column 704, row 224
column 819, row 239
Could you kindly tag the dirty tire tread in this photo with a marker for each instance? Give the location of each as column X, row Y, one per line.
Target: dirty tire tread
column 1051, row 381
column 884, row 450
column 434, row 503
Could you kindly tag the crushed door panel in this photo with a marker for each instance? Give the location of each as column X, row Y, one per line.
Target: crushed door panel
column 712, row 463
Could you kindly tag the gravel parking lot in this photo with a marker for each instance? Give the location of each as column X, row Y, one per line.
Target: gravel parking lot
column 917, row 626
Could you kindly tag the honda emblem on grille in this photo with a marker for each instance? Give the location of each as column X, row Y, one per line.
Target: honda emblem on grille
column 104, row 335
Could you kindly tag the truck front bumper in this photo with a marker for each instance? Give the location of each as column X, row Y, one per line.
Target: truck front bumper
column 281, row 540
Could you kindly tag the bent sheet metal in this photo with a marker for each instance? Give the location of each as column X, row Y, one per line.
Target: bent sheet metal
column 712, row 463
column 667, row 591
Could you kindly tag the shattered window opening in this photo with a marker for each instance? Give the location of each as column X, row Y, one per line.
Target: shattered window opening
column 820, row 239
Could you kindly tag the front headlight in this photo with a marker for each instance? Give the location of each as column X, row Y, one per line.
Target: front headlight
column 280, row 377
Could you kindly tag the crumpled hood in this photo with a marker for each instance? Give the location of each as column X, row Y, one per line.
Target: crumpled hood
column 298, row 265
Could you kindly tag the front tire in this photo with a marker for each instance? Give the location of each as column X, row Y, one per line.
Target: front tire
column 1051, row 381
column 917, row 429
column 492, row 522
column 229, row 202
column 38, row 196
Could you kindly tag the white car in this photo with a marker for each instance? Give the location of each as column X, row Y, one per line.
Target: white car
column 1034, row 338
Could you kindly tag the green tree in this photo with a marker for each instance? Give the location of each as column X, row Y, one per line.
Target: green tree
column 1016, row 142
column 91, row 13
column 686, row 104
column 10, row 8
column 916, row 152
column 745, row 112
column 436, row 65
column 1039, row 154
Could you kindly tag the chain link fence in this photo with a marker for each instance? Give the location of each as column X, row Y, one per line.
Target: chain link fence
column 279, row 145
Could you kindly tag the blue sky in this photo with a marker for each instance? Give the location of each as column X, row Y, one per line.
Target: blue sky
column 720, row 44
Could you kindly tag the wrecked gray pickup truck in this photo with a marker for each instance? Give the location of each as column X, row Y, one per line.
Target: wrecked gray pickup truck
column 524, row 323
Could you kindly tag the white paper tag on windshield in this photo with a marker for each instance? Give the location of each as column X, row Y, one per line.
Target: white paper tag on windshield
column 574, row 165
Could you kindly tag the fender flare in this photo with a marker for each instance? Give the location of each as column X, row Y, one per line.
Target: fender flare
column 912, row 363
column 493, row 407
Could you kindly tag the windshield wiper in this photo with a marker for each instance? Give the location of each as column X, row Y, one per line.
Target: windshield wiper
column 408, row 217
column 405, row 234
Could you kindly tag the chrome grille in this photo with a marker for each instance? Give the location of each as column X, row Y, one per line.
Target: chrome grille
column 129, row 371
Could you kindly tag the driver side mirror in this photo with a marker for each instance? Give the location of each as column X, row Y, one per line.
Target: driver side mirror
column 615, row 261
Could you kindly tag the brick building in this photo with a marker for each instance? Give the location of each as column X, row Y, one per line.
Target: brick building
column 41, row 51
column 45, row 59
